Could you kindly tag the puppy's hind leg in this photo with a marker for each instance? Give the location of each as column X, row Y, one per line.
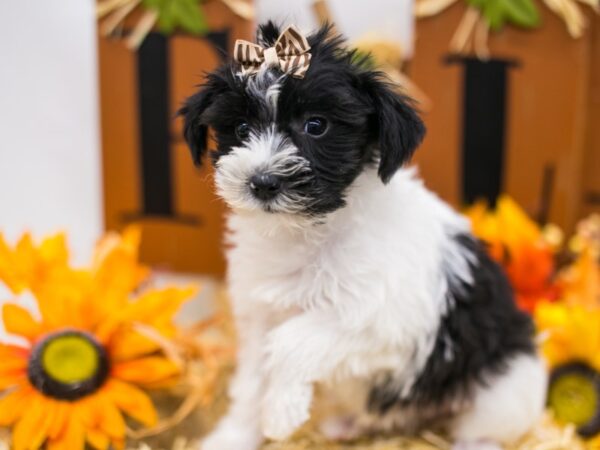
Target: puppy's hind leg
column 504, row 410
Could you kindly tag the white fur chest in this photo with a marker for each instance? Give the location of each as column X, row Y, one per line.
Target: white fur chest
column 288, row 270
column 376, row 261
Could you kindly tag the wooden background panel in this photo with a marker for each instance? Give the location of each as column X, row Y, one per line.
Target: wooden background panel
column 438, row 158
column 190, row 58
column 546, row 114
column 591, row 176
column 190, row 239
column 119, row 125
column 194, row 187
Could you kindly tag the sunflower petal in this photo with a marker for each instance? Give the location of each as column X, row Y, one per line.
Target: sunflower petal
column 110, row 419
column 13, row 362
column 116, row 268
column 72, row 437
column 30, row 266
column 133, row 401
column 53, row 249
column 86, row 411
column 62, row 299
column 118, row 444
column 19, row 321
column 101, row 420
column 98, row 412
column 159, row 305
column 127, row 344
column 59, row 419
column 17, row 269
column 7, row 267
column 13, row 365
column 145, row 370
column 14, row 404
column 31, row 430
column 13, row 351
column 97, row 439
column 13, row 378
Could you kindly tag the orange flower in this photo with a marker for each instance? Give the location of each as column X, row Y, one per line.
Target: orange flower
column 84, row 361
column 530, row 269
column 505, row 228
column 520, row 246
column 27, row 266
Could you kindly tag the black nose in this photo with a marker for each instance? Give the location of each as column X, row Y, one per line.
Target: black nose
column 265, row 186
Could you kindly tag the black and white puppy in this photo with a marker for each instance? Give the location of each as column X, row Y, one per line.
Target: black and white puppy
column 345, row 269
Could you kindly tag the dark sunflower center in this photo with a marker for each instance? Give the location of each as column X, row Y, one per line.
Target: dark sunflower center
column 68, row 365
column 574, row 396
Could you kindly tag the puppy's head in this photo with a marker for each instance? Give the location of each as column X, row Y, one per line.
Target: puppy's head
column 295, row 145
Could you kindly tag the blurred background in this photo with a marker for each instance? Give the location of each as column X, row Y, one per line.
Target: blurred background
column 89, row 142
column 510, row 93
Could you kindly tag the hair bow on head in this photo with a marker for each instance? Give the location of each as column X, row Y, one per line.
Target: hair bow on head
column 290, row 54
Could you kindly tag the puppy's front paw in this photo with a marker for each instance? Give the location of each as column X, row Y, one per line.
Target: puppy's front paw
column 285, row 410
column 230, row 437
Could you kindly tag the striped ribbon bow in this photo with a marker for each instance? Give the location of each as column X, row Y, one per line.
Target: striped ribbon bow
column 290, row 54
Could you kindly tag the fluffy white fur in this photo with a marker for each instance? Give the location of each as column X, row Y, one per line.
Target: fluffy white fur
column 508, row 407
column 359, row 292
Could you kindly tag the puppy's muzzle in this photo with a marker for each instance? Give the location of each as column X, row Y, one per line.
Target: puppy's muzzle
column 265, row 186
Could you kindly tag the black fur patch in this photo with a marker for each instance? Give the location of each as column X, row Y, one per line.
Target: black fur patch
column 368, row 120
column 482, row 330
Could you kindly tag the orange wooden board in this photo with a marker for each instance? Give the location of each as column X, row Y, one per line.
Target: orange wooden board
column 547, row 110
column 591, row 169
column 193, row 241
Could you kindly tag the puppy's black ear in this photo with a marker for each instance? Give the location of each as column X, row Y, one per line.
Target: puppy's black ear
column 399, row 129
column 195, row 129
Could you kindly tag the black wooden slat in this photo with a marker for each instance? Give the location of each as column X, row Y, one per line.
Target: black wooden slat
column 155, row 158
column 485, row 90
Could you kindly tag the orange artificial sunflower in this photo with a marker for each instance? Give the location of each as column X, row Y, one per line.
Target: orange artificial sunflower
column 85, row 362
column 27, row 266
column 521, row 247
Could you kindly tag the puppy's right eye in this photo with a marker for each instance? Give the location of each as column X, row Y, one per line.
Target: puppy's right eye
column 242, row 130
column 315, row 126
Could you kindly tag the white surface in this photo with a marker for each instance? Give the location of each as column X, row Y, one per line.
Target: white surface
column 390, row 19
column 49, row 144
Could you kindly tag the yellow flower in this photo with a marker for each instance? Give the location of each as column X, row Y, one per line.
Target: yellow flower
column 594, row 443
column 85, row 360
column 572, row 333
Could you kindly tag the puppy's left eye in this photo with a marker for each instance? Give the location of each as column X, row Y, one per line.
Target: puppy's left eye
column 315, row 126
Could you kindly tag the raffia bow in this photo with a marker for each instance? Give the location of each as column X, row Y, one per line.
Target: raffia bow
column 290, row 54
